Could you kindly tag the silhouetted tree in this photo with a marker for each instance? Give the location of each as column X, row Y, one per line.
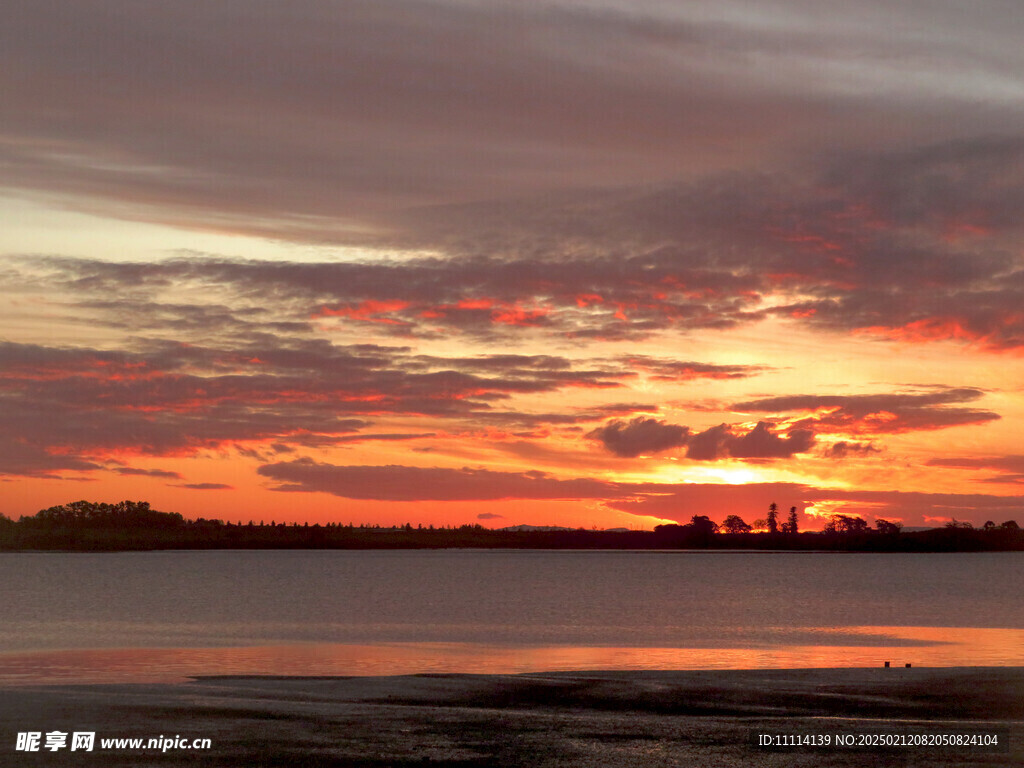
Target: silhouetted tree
column 954, row 523
column 735, row 524
column 704, row 525
column 887, row 527
column 1010, row 525
column 790, row 526
column 91, row 514
column 846, row 524
column 773, row 518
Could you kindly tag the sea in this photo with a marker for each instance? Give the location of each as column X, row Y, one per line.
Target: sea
column 170, row 615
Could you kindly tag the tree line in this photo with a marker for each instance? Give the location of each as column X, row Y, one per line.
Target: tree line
column 134, row 525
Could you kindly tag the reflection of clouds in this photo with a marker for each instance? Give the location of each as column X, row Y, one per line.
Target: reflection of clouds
column 801, row 649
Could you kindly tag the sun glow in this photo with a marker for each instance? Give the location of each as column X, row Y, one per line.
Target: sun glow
column 738, row 475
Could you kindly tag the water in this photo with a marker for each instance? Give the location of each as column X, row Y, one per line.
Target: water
column 166, row 615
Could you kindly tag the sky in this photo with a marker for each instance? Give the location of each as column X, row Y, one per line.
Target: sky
column 589, row 263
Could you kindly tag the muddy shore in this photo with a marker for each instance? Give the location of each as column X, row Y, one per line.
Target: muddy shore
column 553, row 719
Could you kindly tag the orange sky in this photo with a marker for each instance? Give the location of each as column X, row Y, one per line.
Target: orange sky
column 450, row 265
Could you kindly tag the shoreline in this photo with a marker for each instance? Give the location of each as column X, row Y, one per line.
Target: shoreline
column 592, row 718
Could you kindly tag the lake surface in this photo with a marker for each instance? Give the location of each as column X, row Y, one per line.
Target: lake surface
column 167, row 615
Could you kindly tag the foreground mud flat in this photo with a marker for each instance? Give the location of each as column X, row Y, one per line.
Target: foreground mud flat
column 557, row 719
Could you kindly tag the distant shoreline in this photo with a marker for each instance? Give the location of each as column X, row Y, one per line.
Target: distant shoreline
column 135, row 526
column 28, row 536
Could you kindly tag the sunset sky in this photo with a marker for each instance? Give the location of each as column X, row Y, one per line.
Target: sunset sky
column 587, row 263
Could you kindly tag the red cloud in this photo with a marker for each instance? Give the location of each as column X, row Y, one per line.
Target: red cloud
column 369, row 311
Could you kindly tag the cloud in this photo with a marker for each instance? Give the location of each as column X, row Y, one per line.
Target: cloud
column 661, row 500
column 837, row 243
column 203, row 486
column 622, row 409
column 402, row 483
column 365, row 437
column 758, row 443
column 845, row 449
column 360, row 118
column 163, row 473
column 645, row 435
column 679, row 370
column 1007, row 469
column 489, row 516
column 640, row 435
column 483, row 297
column 878, row 413
column 21, row 457
column 524, row 162
column 62, row 407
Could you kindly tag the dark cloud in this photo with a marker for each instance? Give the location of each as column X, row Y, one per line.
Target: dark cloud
column 622, row 409
column 489, row 516
column 760, row 442
column 384, row 436
column 62, row 406
column 921, row 256
column 701, row 163
column 163, row 473
column 21, row 456
column 928, row 254
column 844, row 449
column 597, row 297
column 646, row 435
column 640, row 435
column 864, row 250
column 667, row 501
column 1007, row 469
column 319, row 121
column 203, row 486
column 401, row 483
column 878, row 413
column 679, row 370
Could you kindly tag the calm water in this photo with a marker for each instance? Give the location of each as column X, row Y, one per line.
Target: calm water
column 165, row 615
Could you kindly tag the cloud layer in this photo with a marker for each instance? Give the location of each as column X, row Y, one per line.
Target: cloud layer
column 538, row 247
column 322, row 121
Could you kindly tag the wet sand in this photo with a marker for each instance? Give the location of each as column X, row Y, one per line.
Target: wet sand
column 551, row 719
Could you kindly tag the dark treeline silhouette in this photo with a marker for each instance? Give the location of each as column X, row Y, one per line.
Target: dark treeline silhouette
column 131, row 525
